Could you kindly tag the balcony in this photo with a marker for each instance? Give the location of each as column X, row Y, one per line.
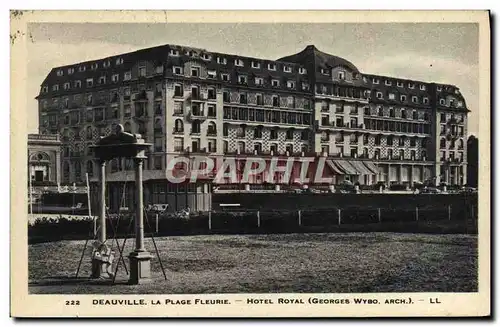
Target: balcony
column 141, row 97
column 211, row 133
column 178, row 132
column 196, row 115
column 198, row 97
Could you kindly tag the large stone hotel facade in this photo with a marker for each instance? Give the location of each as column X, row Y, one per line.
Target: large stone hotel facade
column 189, row 101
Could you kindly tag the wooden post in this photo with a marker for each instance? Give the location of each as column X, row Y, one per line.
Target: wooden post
column 31, row 191
column 210, row 220
column 156, row 216
column 89, row 205
column 416, row 213
column 300, row 218
column 379, row 215
column 449, row 212
column 340, row 217
column 258, row 219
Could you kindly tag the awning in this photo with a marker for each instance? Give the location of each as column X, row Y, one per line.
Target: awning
column 334, row 167
column 361, row 168
column 347, row 167
column 371, row 166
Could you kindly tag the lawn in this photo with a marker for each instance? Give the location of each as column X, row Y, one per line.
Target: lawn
column 330, row 263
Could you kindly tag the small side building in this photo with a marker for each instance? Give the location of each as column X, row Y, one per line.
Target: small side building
column 44, row 159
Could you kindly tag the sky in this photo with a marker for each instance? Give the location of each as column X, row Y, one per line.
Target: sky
column 444, row 53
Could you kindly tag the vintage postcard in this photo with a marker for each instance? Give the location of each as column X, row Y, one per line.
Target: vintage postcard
column 250, row 164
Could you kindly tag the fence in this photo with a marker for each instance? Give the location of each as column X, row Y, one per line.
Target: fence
column 446, row 219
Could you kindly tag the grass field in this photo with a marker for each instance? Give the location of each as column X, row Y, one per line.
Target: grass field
column 347, row 262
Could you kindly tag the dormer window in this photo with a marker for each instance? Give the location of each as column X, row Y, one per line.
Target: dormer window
column 426, row 100
column 325, row 71
column 305, row 86
column 302, row 70
column 189, row 53
column 259, row 81
column 442, row 102
column 460, row 104
column 411, row 85
column 206, row 56
column 81, row 68
column 275, row 83
column 102, row 80
column 66, row 86
column 380, row 95
column 195, row 71
column 225, row 77
column 400, row 84
column 255, row 64
column 238, row 62
column 174, row 52
column 71, row 70
column 159, row 69
column 392, row 96
column 341, row 75
column 212, row 74
column 242, row 79
column 402, row 98
column 94, row 66
column 375, row 81
column 439, row 88
column 45, row 89
column 127, row 76
column 142, row 71
column 55, row 87
column 119, row 61
column 414, row 99
column 115, row 78
column 388, row 82
column 271, row 66
column 60, row 72
column 106, row 64
column 287, row 69
column 221, row 60
column 290, row 84
column 177, row 70
column 90, row 82
column 78, row 84
column 422, row 87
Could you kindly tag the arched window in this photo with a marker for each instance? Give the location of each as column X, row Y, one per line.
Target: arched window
column 179, row 126
column 442, row 143
column 415, row 115
column 289, row 134
column 212, row 128
column 257, row 146
column 403, row 113
column 401, row 154
column 380, row 111
column 257, row 132
column 89, row 132
column 460, row 144
column 241, row 147
column 304, row 148
column 426, row 116
column 423, row 154
column 391, row 112
column 377, row 153
column 90, row 168
column 78, row 170
column 114, row 165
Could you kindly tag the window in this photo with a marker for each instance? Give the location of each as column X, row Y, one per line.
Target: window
column 380, row 95
column 439, row 88
column 271, row 66
column 127, row 76
column 195, row 71
column 259, row 81
column 403, row 113
column 400, row 84
column 142, row 71
column 243, row 98
column 403, row 98
column 212, row 74
column 341, row 75
column 159, row 69
column 225, row 96
column 442, row 143
column 94, row 66
column 55, row 87
column 177, row 70
column 275, row 83
column 225, row 77
column 221, row 61
column 60, row 72
column 211, row 93
column 388, row 82
column 391, row 112
column 81, row 68
column 174, row 52
column 102, row 80
column 71, row 70
column 118, row 61
column 206, row 56
column 392, row 96
column 106, row 64
column 411, row 85
column 242, row 79
column 255, row 64
column 305, row 86
column 45, row 89
column 375, row 81
column 115, row 78
column 178, row 91
column 260, row 100
column 426, row 100
column 302, row 70
column 276, row 101
column 212, row 111
column 287, row 69
column 415, row 115
column 66, row 86
column 414, row 99
column 442, row 102
column 290, row 84
column 238, row 62
column 325, row 71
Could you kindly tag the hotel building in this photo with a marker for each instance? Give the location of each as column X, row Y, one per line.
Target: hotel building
column 190, row 102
